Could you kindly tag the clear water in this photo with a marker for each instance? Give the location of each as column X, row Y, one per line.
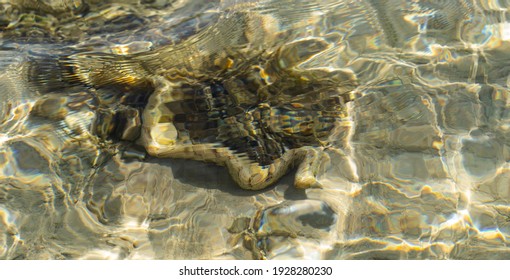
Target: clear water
column 422, row 172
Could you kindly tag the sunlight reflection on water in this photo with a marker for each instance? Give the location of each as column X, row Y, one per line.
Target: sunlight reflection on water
column 417, row 168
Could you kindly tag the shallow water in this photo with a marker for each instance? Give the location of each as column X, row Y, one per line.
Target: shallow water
column 420, row 171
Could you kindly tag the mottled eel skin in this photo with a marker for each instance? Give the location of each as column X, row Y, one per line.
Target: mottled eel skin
column 246, row 106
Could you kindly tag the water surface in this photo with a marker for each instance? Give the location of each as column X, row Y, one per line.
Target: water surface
column 421, row 171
